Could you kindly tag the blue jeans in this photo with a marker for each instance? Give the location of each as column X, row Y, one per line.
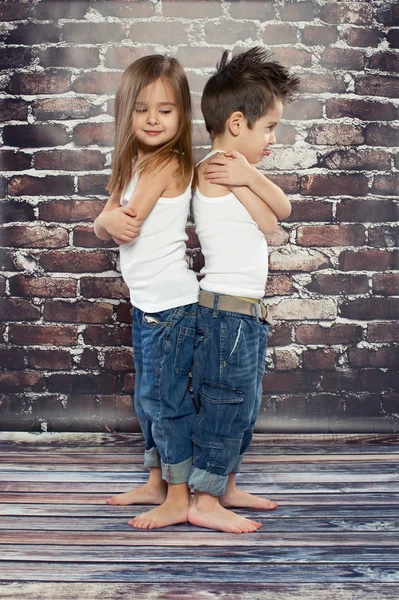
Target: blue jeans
column 229, row 363
column 163, row 345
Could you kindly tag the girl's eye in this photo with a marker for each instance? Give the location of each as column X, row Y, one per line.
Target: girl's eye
column 165, row 112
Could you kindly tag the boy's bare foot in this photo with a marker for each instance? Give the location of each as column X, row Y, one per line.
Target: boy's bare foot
column 206, row 511
column 145, row 494
column 153, row 492
column 235, row 497
column 173, row 511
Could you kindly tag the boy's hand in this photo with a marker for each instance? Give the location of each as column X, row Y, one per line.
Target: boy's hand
column 122, row 224
column 229, row 169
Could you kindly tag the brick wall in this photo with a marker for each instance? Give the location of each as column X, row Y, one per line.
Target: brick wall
column 65, row 338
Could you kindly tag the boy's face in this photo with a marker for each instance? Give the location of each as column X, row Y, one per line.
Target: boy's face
column 254, row 143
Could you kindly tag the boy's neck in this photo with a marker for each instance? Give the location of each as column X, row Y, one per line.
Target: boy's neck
column 225, row 142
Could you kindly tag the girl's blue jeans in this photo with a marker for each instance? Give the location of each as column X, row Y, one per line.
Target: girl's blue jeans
column 163, row 345
column 229, row 363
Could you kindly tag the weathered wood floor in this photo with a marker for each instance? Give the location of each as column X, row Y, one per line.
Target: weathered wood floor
column 334, row 535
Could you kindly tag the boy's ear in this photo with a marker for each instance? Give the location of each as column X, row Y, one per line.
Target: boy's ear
column 235, row 122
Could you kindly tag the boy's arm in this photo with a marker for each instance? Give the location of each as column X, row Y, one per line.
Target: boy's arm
column 116, row 222
column 232, row 169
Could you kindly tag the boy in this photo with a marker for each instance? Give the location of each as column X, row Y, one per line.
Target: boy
column 234, row 206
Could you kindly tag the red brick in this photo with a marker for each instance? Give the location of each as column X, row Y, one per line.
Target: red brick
column 331, row 235
column 362, row 37
column 383, row 236
column 382, row 135
column 49, row 359
column 64, row 108
column 321, row 359
column 333, row 134
column 389, row 402
column 356, row 13
column 43, row 335
column 368, row 357
column 377, row 85
column 356, row 158
column 17, row 211
column 387, row 14
column 128, row 382
column 119, row 360
column 298, row 260
column 288, row 183
column 14, row 309
column 2, row 286
column 64, row 383
column 334, row 185
column 69, row 160
column 366, row 210
column 336, row 334
column 49, row 81
column 279, row 285
column 158, row 33
column 280, row 335
column 310, row 210
column 299, row 11
column 233, row 32
column 7, row 258
column 35, row 136
column 34, row 33
column 12, row 109
column 304, row 109
column 292, row 57
column 93, row 185
column 124, row 313
column 278, row 382
column 70, row 211
column 370, row 309
column 29, row 381
column 126, row 9
column 77, row 312
column 35, row 237
column 384, row 61
column 319, row 35
column 10, row 160
column 15, row 57
column 386, row 283
column 279, row 34
column 343, row 58
column 101, row 134
column 338, row 380
column 198, row 58
column 22, row 285
column 368, row 260
column 25, row 185
column 120, row 57
column 375, row 379
column 76, row 262
column 316, row 83
column 367, row 110
column 97, row 83
column 85, row 237
column 383, row 332
column 78, row 57
column 393, row 38
column 103, row 287
column 59, row 9
column 12, row 358
column 14, row 11
column 192, row 10
column 94, row 33
column 386, row 185
column 335, row 283
column 89, row 359
column 99, row 335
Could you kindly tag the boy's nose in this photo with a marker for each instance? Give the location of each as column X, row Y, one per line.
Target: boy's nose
column 272, row 138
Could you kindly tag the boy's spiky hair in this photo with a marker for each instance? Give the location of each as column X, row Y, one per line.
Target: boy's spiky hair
column 250, row 82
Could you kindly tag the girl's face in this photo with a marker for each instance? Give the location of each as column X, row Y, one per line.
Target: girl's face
column 155, row 116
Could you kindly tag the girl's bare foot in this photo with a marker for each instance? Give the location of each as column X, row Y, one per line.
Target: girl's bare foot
column 153, row 492
column 206, row 511
column 240, row 499
column 173, row 511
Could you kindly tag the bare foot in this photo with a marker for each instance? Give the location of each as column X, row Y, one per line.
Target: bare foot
column 242, row 499
column 167, row 514
column 206, row 511
column 145, row 494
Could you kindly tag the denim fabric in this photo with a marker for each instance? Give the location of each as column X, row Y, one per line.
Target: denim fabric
column 163, row 345
column 229, row 363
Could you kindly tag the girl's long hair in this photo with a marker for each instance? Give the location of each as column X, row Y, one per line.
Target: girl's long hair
column 135, row 78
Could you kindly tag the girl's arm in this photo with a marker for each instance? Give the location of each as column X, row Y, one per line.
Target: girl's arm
column 116, row 222
column 232, row 169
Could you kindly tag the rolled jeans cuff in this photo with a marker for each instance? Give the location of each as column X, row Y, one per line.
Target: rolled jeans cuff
column 151, row 458
column 177, row 473
column 204, row 481
column 237, row 466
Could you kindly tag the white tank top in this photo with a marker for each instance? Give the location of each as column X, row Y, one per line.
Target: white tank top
column 234, row 248
column 154, row 265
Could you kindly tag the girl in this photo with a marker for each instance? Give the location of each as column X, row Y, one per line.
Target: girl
column 146, row 214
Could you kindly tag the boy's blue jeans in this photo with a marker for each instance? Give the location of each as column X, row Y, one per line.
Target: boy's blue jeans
column 229, row 363
column 163, row 345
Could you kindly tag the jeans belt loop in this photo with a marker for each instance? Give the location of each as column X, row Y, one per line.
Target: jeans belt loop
column 215, row 305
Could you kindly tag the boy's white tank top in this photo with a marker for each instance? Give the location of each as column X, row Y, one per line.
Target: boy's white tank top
column 234, row 248
column 154, row 266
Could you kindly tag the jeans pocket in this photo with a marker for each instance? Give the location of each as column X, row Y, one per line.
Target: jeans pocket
column 219, row 406
column 184, row 350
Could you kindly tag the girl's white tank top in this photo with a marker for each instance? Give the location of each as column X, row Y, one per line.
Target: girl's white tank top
column 154, row 266
column 234, row 248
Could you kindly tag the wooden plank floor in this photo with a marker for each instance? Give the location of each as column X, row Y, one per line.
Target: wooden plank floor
column 335, row 534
